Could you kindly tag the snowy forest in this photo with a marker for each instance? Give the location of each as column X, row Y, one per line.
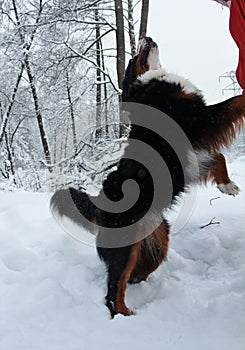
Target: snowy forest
column 62, row 67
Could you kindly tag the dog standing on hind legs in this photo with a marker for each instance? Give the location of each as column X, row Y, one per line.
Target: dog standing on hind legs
column 208, row 128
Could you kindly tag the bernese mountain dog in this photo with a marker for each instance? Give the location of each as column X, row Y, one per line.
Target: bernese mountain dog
column 130, row 256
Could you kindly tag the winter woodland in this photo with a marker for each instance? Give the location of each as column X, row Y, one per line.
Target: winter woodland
column 62, row 66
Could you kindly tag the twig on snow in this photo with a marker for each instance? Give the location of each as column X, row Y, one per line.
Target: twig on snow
column 210, row 223
column 213, row 199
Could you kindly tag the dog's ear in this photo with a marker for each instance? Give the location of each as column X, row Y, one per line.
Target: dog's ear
column 222, row 122
column 129, row 78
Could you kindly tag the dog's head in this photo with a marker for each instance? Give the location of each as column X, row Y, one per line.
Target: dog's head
column 146, row 59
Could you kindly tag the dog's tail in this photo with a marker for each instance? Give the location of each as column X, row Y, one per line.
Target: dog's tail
column 75, row 205
column 221, row 122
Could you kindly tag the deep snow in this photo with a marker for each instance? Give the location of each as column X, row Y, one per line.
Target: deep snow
column 52, row 286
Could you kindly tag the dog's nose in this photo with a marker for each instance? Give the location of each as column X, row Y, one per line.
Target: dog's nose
column 154, row 44
column 148, row 40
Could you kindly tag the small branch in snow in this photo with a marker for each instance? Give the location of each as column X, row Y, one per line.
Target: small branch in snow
column 213, row 199
column 210, row 223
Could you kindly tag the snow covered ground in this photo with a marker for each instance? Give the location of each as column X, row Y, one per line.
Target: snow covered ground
column 52, row 287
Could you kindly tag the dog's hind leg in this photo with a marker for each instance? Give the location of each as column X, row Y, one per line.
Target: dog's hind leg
column 154, row 249
column 124, row 278
column 120, row 263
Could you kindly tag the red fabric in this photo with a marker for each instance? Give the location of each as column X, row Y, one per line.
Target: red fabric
column 223, row 2
column 237, row 29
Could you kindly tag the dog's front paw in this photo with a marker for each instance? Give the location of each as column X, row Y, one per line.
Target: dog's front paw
column 230, row 188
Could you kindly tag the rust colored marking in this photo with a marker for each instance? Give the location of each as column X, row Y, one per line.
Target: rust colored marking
column 238, row 104
column 218, row 172
column 154, row 250
column 138, row 69
column 94, row 225
column 121, row 308
column 231, row 114
column 236, row 112
column 182, row 94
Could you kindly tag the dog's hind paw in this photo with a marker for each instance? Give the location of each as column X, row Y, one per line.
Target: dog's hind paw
column 230, row 188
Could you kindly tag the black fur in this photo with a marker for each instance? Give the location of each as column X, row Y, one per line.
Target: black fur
column 71, row 203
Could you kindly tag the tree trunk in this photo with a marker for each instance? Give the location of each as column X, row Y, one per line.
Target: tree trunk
column 73, row 126
column 27, row 46
column 38, row 113
column 6, row 118
column 98, row 72
column 10, row 158
column 144, row 18
column 120, row 38
column 105, row 87
column 131, row 31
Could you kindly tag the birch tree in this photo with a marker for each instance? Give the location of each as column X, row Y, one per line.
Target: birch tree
column 131, row 27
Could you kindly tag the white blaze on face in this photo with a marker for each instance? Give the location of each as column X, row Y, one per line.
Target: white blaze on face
column 153, row 59
column 157, row 72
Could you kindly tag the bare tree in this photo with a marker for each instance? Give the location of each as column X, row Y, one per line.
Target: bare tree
column 10, row 163
column 105, row 86
column 98, row 70
column 144, row 18
column 120, row 39
column 72, row 114
column 131, row 29
column 27, row 46
column 55, row 60
column 6, row 117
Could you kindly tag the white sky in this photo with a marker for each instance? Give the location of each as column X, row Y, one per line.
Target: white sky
column 195, row 42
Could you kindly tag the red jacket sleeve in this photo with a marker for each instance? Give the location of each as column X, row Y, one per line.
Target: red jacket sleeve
column 224, row 2
column 237, row 29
